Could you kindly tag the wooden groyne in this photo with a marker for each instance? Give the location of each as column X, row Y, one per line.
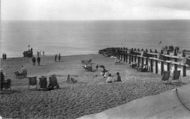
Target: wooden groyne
column 157, row 62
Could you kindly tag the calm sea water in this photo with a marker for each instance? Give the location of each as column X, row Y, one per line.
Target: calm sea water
column 85, row 37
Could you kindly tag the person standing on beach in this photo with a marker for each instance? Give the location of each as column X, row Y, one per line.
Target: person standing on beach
column 38, row 54
column 55, row 57
column 2, row 79
column 34, row 60
column 59, row 57
column 97, row 67
column 38, row 60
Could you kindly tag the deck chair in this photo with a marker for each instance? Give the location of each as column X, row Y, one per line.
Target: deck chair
column 43, row 82
column 53, row 82
column 21, row 75
column 87, row 67
column 32, row 82
column 7, row 84
column 176, row 75
column 166, row 76
column 133, row 65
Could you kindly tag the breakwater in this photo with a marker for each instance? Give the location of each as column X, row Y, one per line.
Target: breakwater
column 155, row 61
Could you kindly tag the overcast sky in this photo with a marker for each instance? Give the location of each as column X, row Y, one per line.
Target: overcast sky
column 94, row 9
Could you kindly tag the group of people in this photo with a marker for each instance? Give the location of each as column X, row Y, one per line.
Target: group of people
column 58, row 57
column 108, row 75
column 34, row 59
column 111, row 79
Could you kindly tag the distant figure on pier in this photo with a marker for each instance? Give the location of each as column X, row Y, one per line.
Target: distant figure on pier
column 59, row 57
column 56, row 58
column 34, row 60
column 43, row 53
column 38, row 60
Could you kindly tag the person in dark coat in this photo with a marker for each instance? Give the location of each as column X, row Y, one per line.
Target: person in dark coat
column 38, row 60
column 97, row 67
column 34, row 60
column 118, row 79
column 2, row 79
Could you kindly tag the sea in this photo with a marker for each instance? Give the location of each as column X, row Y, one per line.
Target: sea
column 87, row 37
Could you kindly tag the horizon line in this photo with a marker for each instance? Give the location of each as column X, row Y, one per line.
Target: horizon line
column 105, row 20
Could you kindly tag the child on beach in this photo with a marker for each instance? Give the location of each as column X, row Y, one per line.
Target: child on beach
column 34, row 60
column 118, row 78
column 38, row 60
column 109, row 79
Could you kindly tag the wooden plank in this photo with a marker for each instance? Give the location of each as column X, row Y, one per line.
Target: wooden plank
column 173, row 57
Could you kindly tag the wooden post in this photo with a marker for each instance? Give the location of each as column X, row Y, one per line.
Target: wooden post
column 162, row 67
column 129, row 58
column 175, row 65
column 156, row 66
column 121, row 54
column 147, row 61
column 138, row 61
column 184, row 70
column 151, row 65
column 142, row 63
column 0, row 85
column 184, row 66
column 135, row 58
column 124, row 54
column 132, row 54
column 168, row 66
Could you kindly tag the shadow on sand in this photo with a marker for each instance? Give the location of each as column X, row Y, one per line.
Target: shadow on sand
column 9, row 91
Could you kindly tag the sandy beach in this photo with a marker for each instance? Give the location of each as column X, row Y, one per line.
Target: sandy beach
column 91, row 94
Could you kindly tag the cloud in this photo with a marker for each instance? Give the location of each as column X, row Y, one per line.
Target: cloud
column 171, row 4
column 94, row 9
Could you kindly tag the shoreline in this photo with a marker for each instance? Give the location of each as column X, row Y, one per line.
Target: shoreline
column 47, row 56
